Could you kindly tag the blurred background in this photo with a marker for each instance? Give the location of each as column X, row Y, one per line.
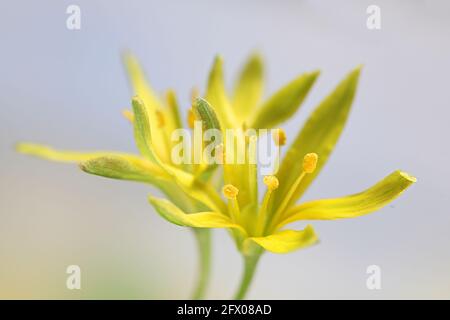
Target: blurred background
column 66, row 88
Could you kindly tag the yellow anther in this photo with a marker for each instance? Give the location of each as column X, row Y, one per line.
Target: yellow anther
column 160, row 119
column 271, row 182
column 230, row 191
column 310, row 162
column 128, row 115
column 191, row 118
column 279, row 137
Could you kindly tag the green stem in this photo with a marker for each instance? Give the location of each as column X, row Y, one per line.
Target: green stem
column 203, row 237
column 250, row 263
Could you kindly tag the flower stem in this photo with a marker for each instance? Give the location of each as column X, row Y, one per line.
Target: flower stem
column 250, row 263
column 203, row 237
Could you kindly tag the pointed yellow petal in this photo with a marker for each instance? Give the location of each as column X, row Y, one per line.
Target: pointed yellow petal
column 217, row 97
column 200, row 192
column 354, row 205
column 125, row 168
column 153, row 104
column 249, row 87
column 174, row 109
column 284, row 103
column 287, row 240
column 173, row 214
column 319, row 134
column 144, row 140
column 49, row 153
column 142, row 129
column 139, row 82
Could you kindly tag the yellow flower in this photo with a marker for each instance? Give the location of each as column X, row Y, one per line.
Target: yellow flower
column 261, row 226
column 195, row 200
column 154, row 119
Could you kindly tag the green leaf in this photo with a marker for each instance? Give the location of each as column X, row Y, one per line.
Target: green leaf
column 284, row 103
column 319, row 134
column 249, row 87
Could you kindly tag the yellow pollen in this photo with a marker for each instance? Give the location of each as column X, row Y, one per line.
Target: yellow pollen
column 310, row 162
column 191, row 118
column 230, row 191
column 160, row 119
column 279, row 137
column 271, row 182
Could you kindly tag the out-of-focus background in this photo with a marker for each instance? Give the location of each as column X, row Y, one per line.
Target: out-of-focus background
column 67, row 89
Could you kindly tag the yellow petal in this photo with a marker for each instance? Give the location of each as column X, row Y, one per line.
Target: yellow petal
column 142, row 129
column 217, row 97
column 284, row 103
column 152, row 102
column 249, row 87
column 125, row 168
column 49, row 153
column 287, row 240
column 354, row 205
column 200, row 192
column 174, row 109
column 144, row 140
column 173, row 214
column 319, row 134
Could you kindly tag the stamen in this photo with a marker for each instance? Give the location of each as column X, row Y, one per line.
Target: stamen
column 271, row 182
column 279, row 137
column 160, row 119
column 309, row 165
column 310, row 162
column 230, row 191
column 191, row 119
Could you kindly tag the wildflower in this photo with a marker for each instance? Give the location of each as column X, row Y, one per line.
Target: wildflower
column 261, row 227
column 188, row 186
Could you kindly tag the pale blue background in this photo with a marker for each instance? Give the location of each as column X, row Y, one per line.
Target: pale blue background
column 67, row 88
